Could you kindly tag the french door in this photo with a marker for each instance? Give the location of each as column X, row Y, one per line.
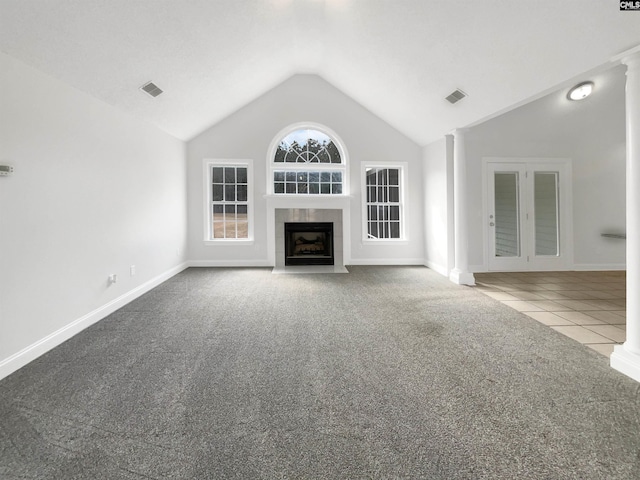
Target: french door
column 528, row 217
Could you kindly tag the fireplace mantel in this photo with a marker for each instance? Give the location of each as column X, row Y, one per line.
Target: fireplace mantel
column 308, row 201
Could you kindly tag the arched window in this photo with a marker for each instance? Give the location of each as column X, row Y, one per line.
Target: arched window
column 307, row 160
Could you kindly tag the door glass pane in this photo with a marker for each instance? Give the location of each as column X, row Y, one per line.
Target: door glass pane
column 507, row 221
column 545, row 196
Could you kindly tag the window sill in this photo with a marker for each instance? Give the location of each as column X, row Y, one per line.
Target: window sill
column 231, row 242
column 386, row 241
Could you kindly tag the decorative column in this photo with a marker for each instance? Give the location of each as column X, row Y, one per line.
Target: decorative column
column 451, row 233
column 626, row 357
column 460, row 273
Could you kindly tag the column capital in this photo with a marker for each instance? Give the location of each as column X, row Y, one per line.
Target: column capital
column 628, row 57
column 456, row 132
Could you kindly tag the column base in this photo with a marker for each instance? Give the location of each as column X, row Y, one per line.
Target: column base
column 625, row 362
column 462, row 278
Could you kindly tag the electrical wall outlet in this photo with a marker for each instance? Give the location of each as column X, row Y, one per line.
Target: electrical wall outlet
column 132, row 270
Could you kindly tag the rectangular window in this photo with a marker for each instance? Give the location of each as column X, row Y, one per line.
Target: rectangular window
column 311, row 182
column 383, row 203
column 229, row 201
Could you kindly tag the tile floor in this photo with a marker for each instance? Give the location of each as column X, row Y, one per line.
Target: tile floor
column 589, row 307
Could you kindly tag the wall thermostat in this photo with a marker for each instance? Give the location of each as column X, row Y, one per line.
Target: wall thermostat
column 5, row 170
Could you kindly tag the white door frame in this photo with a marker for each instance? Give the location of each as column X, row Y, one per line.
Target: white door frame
column 564, row 166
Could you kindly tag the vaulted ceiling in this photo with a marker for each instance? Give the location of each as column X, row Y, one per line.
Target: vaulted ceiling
column 398, row 58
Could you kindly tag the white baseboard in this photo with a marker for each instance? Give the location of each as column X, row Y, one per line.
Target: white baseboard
column 437, row 268
column 266, row 263
column 599, row 266
column 386, row 261
column 42, row 346
column 478, row 268
column 230, row 263
column 625, row 362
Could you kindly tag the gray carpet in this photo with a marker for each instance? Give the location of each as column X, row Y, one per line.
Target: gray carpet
column 387, row 372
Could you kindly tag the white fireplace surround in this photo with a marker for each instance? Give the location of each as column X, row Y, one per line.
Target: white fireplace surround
column 283, row 208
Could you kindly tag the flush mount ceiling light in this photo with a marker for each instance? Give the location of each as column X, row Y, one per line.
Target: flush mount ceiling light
column 151, row 88
column 580, row 91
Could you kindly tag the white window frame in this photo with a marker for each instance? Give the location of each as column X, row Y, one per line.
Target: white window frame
column 308, row 167
column 208, row 164
column 402, row 168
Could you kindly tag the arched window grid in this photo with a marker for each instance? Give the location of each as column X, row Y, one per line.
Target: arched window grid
column 307, row 160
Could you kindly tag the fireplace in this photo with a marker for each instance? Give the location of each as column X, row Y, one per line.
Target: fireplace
column 308, row 243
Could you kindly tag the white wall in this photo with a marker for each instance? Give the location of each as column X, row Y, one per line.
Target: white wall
column 94, row 191
column 248, row 133
column 590, row 132
column 438, row 205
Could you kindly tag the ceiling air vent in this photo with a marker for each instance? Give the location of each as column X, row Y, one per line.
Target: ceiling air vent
column 456, row 96
column 151, row 88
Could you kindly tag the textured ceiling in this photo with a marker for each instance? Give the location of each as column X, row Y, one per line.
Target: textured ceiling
column 398, row 58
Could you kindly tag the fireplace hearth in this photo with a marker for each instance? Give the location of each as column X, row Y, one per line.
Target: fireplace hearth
column 308, row 243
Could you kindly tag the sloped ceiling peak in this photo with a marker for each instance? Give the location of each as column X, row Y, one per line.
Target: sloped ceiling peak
column 399, row 59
